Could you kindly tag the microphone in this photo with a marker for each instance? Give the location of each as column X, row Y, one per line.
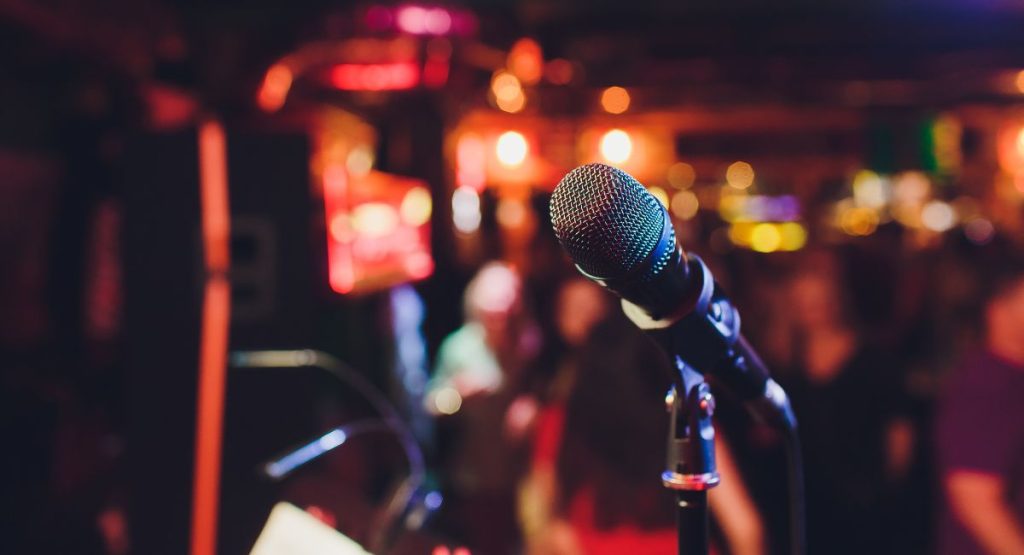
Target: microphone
column 621, row 237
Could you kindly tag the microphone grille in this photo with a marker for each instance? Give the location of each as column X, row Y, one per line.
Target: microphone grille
column 605, row 220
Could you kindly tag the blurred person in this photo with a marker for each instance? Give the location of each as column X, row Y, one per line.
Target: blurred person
column 856, row 437
column 476, row 392
column 607, row 453
column 580, row 304
column 980, row 436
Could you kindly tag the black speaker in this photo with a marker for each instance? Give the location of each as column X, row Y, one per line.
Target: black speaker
column 274, row 276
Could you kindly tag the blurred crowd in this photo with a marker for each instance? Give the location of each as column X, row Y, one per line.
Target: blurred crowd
column 905, row 375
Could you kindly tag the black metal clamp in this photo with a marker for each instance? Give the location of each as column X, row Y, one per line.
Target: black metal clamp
column 691, row 470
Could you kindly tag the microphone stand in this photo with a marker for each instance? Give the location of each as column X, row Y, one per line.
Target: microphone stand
column 704, row 336
column 691, row 469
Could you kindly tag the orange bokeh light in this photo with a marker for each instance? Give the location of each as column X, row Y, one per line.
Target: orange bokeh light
column 615, row 100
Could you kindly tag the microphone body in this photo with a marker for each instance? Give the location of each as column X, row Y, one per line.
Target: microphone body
column 621, row 237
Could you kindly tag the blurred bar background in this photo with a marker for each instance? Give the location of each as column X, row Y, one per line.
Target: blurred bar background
column 858, row 162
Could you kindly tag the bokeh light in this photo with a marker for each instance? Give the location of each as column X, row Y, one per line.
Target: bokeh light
column 375, row 219
column 870, row 190
column 466, row 210
column 615, row 100
column 416, row 207
column 979, row 231
column 616, row 146
column 739, row 175
column 794, row 236
column 505, row 85
column 447, row 401
column 418, row 20
column 765, row 237
column 685, row 205
column 526, row 61
column 681, row 175
column 359, row 161
column 858, row 221
column 511, row 149
column 938, row 216
column 507, row 92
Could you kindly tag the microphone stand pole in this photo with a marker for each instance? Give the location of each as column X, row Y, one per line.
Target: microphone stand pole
column 704, row 336
column 691, row 469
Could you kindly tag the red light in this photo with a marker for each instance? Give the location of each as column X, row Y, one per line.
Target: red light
column 378, row 230
column 375, row 77
column 274, row 90
column 435, row 73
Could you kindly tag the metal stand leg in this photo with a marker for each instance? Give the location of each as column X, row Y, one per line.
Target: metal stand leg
column 691, row 469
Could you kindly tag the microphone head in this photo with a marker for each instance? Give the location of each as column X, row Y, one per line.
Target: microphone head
column 606, row 221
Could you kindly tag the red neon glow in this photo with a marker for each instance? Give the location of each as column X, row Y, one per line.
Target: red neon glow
column 375, row 77
column 376, row 237
column 213, row 340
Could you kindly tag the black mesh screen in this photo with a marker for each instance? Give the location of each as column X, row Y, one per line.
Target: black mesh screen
column 605, row 220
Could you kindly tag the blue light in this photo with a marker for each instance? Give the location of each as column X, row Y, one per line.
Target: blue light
column 433, row 500
column 283, row 466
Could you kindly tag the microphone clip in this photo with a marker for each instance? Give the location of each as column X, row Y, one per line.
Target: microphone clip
column 691, row 438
